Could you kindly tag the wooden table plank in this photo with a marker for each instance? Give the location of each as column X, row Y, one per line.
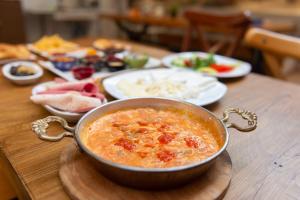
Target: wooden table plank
column 265, row 163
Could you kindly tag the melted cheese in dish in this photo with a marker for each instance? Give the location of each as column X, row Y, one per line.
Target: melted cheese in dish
column 150, row 138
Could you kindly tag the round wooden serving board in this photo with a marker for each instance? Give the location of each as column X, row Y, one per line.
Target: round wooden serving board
column 83, row 182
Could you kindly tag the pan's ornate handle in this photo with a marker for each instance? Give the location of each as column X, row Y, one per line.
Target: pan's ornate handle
column 247, row 115
column 40, row 128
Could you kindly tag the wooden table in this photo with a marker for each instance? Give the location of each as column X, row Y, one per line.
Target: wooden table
column 265, row 162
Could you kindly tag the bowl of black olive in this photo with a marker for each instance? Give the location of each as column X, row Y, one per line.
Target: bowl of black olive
column 22, row 72
column 114, row 63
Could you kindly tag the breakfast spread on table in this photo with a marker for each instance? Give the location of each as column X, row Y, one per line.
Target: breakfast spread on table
column 74, row 68
column 149, row 100
column 143, row 137
column 146, row 133
column 150, row 138
column 74, row 63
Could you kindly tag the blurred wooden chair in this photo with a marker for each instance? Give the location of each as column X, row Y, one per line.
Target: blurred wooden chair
column 12, row 29
column 284, row 26
column 275, row 48
column 228, row 26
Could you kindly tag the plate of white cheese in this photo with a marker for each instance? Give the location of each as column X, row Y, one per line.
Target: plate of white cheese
column 180, row 84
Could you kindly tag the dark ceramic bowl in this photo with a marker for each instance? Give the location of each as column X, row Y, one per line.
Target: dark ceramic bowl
column 64, row 63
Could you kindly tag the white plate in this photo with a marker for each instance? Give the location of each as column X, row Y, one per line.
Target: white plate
column 152, row 62
column 22, row 80
column 69, row 116
column 208, row 96
column 242, row 69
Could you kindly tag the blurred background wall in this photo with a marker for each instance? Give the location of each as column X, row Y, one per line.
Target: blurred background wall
column 70, row 18
column 75, row 18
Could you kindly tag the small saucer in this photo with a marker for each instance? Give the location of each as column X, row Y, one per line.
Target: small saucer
column 22, row 80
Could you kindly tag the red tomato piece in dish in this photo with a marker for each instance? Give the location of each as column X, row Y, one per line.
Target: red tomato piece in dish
column 142, row 154
column 165, row 155
column 221, row 68
column 188, row 63
column 165, row 138
column 143, row 123
column 190, row 142
column 126, row 144
column 142, row 130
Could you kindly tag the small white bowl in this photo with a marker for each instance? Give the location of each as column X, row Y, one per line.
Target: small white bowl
column 22, row 80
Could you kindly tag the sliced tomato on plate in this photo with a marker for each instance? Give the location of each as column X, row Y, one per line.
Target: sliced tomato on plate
column 222, row 68
column 188, row 63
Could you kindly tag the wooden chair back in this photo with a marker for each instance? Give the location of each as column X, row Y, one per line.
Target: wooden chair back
column 275, row 47
column 231, row 26
column 12, row 28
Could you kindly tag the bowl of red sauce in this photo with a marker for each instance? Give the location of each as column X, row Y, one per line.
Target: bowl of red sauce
column 83, row 72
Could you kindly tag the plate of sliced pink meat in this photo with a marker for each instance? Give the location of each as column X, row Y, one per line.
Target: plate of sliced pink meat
column 70, row 100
